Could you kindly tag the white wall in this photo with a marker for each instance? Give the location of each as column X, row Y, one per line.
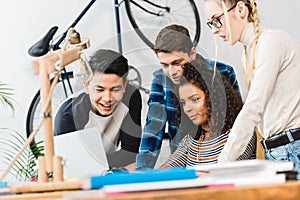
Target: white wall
column 24, row 22
column 275, row 14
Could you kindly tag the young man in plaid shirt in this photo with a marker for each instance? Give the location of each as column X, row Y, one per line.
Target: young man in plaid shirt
column 173, row 48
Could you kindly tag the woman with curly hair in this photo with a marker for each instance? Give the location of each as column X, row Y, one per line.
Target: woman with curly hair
column 209, row 106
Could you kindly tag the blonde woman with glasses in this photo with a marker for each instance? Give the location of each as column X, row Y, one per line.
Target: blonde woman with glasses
column 273, row 75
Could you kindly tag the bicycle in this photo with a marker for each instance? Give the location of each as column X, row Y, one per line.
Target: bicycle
column 138, row 12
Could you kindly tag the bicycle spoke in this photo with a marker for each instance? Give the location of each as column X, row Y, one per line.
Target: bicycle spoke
column 148, row 18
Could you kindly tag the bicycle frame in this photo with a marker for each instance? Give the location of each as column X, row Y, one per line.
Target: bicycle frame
column 117, row 21
column 145, row 5
column 61, row 39
column 153, row 4
column 159, row 10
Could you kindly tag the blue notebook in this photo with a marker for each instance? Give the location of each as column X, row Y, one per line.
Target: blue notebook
column 139, row 177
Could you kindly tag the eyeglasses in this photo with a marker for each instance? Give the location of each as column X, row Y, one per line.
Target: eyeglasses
column 215, row 22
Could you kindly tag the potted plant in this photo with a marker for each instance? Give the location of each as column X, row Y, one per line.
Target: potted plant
column 11, row 142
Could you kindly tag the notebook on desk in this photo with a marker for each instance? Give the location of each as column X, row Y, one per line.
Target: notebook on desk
column 82, row 152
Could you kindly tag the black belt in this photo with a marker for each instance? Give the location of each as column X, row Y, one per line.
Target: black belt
column 279, row 141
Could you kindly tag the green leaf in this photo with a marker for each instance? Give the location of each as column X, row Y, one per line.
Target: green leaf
column 14, row 149
column 6, row 94
column 26, row 165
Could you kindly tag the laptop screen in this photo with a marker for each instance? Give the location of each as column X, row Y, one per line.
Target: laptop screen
column 82, row 152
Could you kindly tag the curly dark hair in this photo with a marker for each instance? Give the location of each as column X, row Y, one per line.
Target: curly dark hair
column 222, row 101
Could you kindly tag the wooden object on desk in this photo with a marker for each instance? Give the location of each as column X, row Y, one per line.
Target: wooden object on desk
column 58, row 171
column 287, row 191
column 42, row 173
column 44, row 66
column 46, row 187
column 49, row 163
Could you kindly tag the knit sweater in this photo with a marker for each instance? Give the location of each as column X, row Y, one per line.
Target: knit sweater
column 273, row 101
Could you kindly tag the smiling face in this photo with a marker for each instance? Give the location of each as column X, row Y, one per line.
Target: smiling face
column 193, row 101
column 172, row 63
column 231, row 30
column 105, row 91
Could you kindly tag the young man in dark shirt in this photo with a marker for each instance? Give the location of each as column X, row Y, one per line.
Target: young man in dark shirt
column 108, row 103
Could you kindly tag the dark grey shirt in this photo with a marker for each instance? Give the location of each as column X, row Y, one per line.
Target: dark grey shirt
column 74, row 114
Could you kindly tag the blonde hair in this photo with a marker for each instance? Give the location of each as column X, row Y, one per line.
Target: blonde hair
column 252, row 17
column 249, row 68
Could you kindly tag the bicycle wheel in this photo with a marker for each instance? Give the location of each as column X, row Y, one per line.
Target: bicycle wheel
column 149, row 17
column 61, row 91
column 134, row 77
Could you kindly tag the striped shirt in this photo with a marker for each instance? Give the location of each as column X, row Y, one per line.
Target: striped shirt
column 162, row 107
column 190, row 152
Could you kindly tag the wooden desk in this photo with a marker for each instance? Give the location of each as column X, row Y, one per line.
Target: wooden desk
column 287, row 191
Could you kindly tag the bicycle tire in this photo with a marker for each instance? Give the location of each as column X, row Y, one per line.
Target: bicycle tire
column 147, row 26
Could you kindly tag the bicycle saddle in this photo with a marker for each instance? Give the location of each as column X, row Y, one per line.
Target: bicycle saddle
column 41, row 47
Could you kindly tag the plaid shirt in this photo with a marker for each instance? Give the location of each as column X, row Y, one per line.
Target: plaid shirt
column 163, row 106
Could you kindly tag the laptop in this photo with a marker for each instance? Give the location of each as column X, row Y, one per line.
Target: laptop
column 82, row 152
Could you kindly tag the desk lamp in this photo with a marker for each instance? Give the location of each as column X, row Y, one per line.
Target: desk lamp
column 44, row 66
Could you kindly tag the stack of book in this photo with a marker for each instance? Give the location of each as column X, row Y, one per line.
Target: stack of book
column 248, row 172
column 146, row 180
column 237, row 173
